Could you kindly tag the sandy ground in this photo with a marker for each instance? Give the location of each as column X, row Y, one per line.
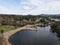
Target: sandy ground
column 9, row 33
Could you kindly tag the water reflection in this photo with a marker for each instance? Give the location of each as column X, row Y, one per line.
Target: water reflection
column 56, row 31
column 28, row 37
column 43, row 25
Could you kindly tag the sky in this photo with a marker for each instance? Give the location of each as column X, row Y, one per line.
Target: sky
column 30, row 7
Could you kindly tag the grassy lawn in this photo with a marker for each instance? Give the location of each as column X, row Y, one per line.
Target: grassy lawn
column 7, row 28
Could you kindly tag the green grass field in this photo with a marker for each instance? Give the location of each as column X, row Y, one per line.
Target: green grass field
column 6, row 28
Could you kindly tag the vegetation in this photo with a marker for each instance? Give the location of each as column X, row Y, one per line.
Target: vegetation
column 9, row 22
column 6, row 28
column 56, row 28
column 17, row 20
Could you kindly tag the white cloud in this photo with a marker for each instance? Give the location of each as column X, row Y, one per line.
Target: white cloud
column 33, row 7
column 54, row 5
column 36, row 2
column 51, row 8
column 4, row 9
column 7, row 10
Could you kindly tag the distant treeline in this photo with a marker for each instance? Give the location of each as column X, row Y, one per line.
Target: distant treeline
column 20, row 20
column 51, row 15
column 17, row 20
column 40, row 15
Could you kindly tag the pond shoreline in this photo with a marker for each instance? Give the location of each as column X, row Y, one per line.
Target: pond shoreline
column 9, row 33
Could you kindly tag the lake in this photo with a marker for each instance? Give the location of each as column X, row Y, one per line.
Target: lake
column 43, row 36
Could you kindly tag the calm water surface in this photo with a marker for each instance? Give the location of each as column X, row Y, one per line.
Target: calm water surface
column 43, row 36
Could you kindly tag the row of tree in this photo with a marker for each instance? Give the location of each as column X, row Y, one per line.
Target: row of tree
column 15, row 20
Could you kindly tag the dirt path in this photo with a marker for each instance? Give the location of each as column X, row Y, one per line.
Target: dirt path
column 8, row 34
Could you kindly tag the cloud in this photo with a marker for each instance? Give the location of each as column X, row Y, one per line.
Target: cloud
column 53, row 7
column 31, row 7
column 49, row 7
column 6, row 10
